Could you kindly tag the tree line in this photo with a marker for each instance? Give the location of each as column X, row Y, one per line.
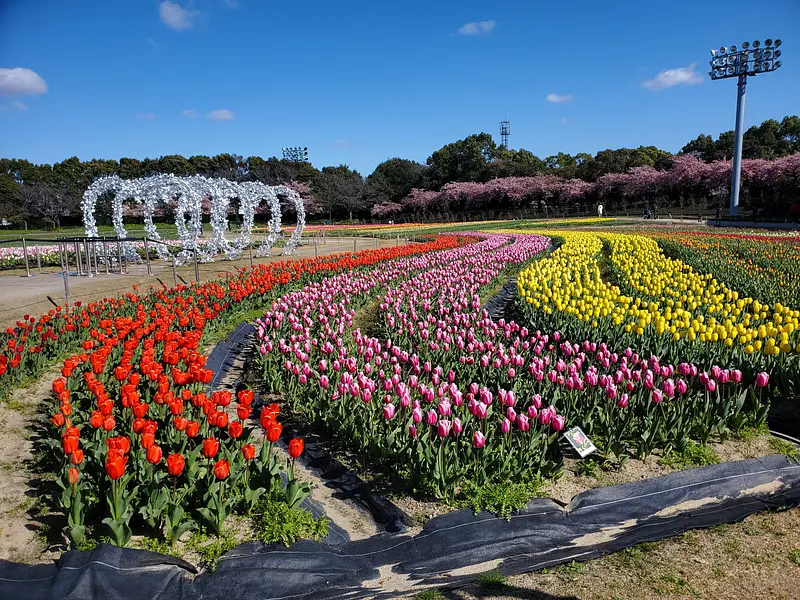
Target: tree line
column 473, row 174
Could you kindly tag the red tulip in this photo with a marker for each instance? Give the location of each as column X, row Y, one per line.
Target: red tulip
column 180, row 423
column 296, row 447
column 57, row 420
column 192, row 428
column 175, row 463
column 148, row 439
column 73, row 475
column 76, row 457
column 245, row 397
column 109, row 423
column 69, row 443
column 235, row 429
column 222, row 469
column 115, row 464
column 273, row 431
column 249, row 451
column 243, row 412
column 154, row 454
column 222, row 420
column 210, row 447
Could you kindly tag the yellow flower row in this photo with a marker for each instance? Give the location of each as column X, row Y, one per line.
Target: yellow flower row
column 671, row 298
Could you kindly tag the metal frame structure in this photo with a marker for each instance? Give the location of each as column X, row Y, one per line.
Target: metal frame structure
column 295, row 153
column 505, row 131
column 749, row 59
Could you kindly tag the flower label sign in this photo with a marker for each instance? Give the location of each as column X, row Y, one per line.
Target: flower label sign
column 579, row 442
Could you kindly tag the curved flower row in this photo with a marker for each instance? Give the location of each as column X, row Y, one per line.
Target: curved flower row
column 660, row 304
column 452, row 395
column 133, row 421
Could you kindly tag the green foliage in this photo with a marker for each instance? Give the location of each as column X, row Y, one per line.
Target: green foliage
column 491, row 581
column 788, row 449
column 500, row 499
column 794, row 556
column 432, row 594
column 211, row 549
column 569, row 572
column 464, row 160
column 275, row 522
column 691, row 455
column 634, row 557
column 157, row 545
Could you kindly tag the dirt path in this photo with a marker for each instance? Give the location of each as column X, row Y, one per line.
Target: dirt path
column 22, row 534
column 21, row 295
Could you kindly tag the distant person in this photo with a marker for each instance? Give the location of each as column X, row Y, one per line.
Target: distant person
column 599, row 210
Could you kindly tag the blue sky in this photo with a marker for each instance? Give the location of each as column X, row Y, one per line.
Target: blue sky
column 359, row 82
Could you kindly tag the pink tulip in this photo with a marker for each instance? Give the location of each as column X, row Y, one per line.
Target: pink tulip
column 444, row 408
column 416, row 414
column 388, row 411
column 522, row 423
column 323, row 382
column 762, row 379
column 431, row 417
column 412, row 430
column 669, row 387
column 681, row 386
column 736, row 375
column 443, row 428
column 711, row 385
column 657, row 396
column 558, row 423
column 622, row 401
column 532, row 412
column 511, row 414
column 478, row 439
column 536, row 401
column 505, row 426
column 546, row 415
column 481, row 410
column 457, row 426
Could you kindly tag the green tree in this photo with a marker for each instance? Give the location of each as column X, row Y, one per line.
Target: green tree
column 464, row 160
column 393, row 179
column 341, row 190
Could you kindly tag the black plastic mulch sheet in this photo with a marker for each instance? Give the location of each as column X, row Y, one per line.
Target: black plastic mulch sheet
column 449, row 550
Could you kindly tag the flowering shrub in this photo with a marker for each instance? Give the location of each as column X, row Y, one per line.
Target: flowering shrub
column 452, row 395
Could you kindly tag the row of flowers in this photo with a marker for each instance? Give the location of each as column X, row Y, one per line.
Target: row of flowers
column 658, row 304
column 136, row 437
column 444, row 394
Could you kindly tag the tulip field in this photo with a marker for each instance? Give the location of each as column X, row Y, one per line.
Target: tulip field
column 393, row 354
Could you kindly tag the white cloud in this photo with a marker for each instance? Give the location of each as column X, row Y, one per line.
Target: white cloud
column 340, row 144
column 221, row 114
column 19, row 105
column 671, row 77
column 152, row 43
column 21, row 82
column 190, row 113
column 174, row 16
column 231, row 3
column 146, row 116
column 477, row 28
column 558, row 98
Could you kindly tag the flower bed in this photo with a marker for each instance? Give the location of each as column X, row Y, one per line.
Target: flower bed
column 659, row 305
column 135, row 437
column 445, row 395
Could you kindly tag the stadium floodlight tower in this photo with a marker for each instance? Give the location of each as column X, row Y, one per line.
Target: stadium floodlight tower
column 750, row 59
column 295, row 154
column 505, row 131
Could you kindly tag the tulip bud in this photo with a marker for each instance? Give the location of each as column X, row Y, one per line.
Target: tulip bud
column 478, row 439
column 457, row 426
column 762, row 379
column 388, row 411
column 505, row 426
column 412, row 430
column 557, row 423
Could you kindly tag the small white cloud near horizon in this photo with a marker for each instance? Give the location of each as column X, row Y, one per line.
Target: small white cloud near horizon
column 21, row 82
column 558, row 98
column 477, row 28
column 221, row 114
column 189, row 113
column 671, row 77
column 339, row 144
column 19, row 105
column 146, row 116
column 174, row 16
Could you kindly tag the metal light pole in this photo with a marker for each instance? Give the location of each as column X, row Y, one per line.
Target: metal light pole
column 734, row 62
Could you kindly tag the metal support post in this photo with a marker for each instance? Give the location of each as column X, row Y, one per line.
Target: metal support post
column 25, row 254
column 78, row 264
column 39, row 258
column 250, row 248
column 147, row 257
column 105, row 253
column 65, row 275
column 88, row 257
column 736, row 172
column 174, row 271
column 196, row 268
column 315, row 248
column 119, row 256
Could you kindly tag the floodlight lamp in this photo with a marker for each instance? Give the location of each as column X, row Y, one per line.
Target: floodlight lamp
column 757, row 68
column 756, row 44
column 745, row 45
column 768, row 54
column 713, row 52
column 776, row 54
column 733, row 48
column 777, row 43
column 768, row 42
column 778, row 64
column 731, row 70
column 723, row 50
